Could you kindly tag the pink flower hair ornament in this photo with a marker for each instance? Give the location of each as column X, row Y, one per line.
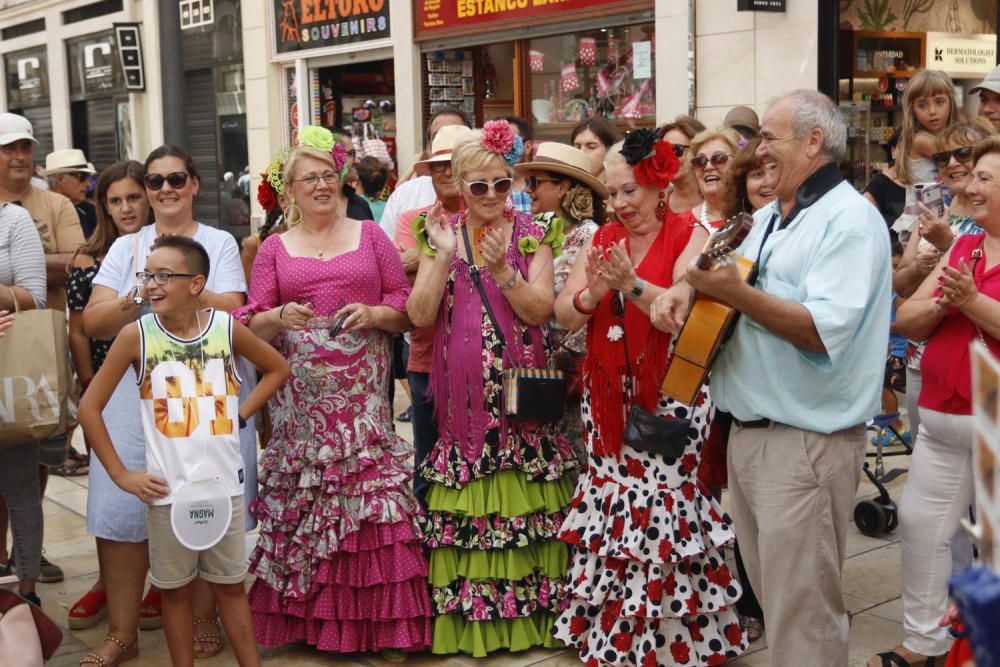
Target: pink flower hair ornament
column 499, row 137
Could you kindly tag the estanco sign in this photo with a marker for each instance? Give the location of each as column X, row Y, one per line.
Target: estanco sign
column 440, row 18
column 300, row 25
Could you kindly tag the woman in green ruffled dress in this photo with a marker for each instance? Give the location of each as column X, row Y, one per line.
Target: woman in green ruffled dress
column 498, row 487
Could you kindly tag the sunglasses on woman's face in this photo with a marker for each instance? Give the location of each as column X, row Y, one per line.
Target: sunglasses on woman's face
column 962, row 155
column 176, row 179
column 531, row 182
column 717, row 160
column 680, row 149
column 500, row 186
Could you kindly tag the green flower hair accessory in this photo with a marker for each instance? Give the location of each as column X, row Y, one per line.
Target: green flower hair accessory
column 315, row 136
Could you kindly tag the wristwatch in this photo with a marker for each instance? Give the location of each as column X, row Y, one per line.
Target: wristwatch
column 504, row 286
column 638, row 288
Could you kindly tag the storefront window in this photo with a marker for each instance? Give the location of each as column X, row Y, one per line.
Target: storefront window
column 28, row 92
column 608, row 72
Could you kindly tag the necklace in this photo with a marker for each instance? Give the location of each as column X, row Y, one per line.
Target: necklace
column 320, row 253
column 704, row 216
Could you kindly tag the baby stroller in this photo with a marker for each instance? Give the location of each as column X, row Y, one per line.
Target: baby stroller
column 879, row 515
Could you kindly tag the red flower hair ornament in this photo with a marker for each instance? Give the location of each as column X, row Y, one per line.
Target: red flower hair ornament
column 652, row 159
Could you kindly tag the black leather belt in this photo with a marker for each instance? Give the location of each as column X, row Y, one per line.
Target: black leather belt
column 756, row 423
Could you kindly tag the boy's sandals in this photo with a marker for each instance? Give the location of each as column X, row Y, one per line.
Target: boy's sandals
column 151, row 611
column 125, row 654
column 212, row 639
column 89, row 610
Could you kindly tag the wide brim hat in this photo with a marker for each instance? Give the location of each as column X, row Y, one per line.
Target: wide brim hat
column 15, row 128
column 441, row 148
column 571, row 162
column 990, row 83
column 69, row 161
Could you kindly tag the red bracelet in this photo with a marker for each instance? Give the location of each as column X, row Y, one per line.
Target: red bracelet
column 579, row 306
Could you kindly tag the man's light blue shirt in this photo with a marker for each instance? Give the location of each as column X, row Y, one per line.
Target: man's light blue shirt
column 834, row 259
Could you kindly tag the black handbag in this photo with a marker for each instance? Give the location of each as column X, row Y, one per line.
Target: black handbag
column 529, row 394
column 647, row 432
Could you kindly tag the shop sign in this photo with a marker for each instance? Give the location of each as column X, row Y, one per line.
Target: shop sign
column 130, row 54
column 961, row 54
column 760, row 5
column 93, row 65
column 27, row 84
column 437, row 18
column 300, row 25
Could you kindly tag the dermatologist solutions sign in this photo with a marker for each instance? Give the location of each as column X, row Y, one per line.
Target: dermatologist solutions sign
column 961, row 54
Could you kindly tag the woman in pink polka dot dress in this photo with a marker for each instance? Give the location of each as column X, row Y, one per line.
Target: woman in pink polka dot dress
column 339, row 563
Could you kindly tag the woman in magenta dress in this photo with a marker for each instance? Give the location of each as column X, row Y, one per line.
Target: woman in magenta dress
column 339, row 563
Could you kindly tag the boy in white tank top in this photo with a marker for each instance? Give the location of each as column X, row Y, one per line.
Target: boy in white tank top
column 185, row 359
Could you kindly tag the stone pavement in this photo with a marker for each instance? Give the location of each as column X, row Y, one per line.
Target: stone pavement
column 872, row 584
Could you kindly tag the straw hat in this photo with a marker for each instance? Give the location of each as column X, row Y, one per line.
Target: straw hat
column 562, row 159
column 69, row 161
column 444, row 142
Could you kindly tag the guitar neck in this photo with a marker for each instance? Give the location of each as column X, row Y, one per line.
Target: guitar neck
column 703, row 262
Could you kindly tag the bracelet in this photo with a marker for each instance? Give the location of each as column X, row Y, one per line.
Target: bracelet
column 281, row 313
column 579, row 306
column 504, row 286
column 243, row 422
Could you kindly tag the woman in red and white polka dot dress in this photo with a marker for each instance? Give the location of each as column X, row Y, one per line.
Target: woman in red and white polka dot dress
column 648, row 582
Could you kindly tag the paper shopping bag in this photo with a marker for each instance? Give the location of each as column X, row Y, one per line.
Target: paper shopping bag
column 34, row 378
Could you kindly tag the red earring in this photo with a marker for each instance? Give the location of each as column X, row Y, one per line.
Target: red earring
column 661, row 208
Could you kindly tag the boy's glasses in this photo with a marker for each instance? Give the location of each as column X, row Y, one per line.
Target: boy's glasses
column 176, row 179
column 962, row 155
column 160, row 277
column 500, row 186
column 717, row 160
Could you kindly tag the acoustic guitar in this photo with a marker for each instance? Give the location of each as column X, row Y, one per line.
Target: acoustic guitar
column 710, row 321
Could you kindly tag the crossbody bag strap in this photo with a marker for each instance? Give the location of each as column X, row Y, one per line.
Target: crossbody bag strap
column 755, row 271
column 477, row 281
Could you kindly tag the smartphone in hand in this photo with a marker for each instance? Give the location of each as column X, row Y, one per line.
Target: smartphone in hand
column 931, row 195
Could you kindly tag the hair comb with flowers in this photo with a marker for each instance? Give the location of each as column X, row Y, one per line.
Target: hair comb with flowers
column 652, row 159
column 499, row 137
column 311, row 136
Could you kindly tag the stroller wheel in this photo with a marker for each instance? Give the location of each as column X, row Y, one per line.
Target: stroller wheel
column 892, row 517
column 871, row 518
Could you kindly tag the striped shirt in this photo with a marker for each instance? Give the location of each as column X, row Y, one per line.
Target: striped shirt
column 22, row 258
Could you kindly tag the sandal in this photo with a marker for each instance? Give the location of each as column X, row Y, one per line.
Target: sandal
column 893, row 659
column 151, row 611
column 89, row 610
column 71, row 468
column 754, row 627
column 213, row 638
column 126, row 653
column 393, row 655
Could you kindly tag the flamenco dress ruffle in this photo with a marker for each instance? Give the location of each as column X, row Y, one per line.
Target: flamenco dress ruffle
column 338, row 564
column 648, row 582
column 496, row 570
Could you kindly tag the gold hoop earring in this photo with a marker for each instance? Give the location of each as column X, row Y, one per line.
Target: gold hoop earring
column 292, row 213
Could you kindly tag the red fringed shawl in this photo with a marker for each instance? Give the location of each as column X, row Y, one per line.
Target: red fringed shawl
column 605, row 367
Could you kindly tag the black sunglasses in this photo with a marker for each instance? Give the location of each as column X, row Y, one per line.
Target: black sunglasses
column 500, row 186
column 176, row 179
column 962, row 154
column 531, row 182
column 680, row 149
column 717, row 160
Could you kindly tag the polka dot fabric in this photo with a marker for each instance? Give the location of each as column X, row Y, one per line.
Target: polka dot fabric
column 338, row 563
column 648, row 583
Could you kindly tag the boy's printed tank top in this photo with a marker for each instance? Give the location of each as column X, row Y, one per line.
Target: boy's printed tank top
column 189, row 392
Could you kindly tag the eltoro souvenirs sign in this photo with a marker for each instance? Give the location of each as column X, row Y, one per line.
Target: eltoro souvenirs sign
column 301, row 25
column 443, row 18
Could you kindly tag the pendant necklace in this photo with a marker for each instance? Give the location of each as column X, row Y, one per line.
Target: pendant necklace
column 319, row 251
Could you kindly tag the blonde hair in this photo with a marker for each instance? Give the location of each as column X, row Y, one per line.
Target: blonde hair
column 987, row 146
column 298, row 154
column 726, row 134
column 971, row 131
column 469, row 155
column 614, row 155
column 923, row 84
